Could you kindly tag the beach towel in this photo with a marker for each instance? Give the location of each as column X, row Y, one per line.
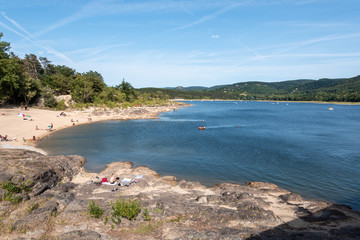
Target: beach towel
column 107, row 183
column 126, row 180
column 139, row 176
column 104, row 180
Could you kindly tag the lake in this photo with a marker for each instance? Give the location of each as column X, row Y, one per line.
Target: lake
column 303, row 147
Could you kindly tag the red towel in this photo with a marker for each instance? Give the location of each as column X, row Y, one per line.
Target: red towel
column 104, row 180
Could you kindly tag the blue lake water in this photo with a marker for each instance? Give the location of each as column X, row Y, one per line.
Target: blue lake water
column 302, row 147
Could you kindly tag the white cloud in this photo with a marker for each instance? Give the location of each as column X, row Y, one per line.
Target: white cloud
column 31, row 38
column 215, row 36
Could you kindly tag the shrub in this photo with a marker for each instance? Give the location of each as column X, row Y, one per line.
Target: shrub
column 10, row 187
column 127, row 209
column 25, row 186
column 12, row 198
column 146, row 215
column 94, row 210
column 60, row 105
column 50, row 101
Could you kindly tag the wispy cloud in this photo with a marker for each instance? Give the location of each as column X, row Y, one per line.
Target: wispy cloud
column 249, row 49
column 98, row 8
column 31, row 38
column 210, row 16
column 86, row 53
column 301, row 44
column 215, row 36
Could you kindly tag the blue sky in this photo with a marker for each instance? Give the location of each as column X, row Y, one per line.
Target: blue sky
column 189, row 43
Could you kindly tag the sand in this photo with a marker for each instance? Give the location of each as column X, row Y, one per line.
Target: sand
column 35, row 122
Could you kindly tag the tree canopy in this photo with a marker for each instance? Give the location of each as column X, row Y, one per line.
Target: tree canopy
column 27, row 79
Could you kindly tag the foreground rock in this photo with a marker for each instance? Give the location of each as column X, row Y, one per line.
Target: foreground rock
column 55, row 192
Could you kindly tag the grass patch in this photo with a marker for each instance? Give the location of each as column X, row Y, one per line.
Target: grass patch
column 176, row 219
column 32, row 206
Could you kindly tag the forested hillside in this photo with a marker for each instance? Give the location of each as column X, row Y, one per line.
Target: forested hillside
column 341, row 90
column 26, row 80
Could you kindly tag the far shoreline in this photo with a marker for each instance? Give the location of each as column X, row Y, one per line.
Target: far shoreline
column 236, row 100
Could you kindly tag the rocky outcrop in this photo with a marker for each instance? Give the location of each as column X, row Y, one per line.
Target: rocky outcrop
column 56, row 192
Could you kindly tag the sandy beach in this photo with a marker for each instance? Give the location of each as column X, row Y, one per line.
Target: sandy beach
column 22, row 127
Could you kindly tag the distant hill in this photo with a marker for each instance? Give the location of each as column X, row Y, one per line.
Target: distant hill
column 341, row 89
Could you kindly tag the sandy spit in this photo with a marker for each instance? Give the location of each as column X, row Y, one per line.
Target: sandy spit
column 22, row 127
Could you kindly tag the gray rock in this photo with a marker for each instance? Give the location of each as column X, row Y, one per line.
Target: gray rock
column 190, row 185
column 250, row 212
column 202, row 199
column 80, row 235
column 291, row 197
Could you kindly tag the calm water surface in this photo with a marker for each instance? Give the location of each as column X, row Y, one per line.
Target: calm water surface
column 302, row 147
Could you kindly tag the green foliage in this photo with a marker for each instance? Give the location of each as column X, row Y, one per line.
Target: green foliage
column 60, row 105
column 128, row 90
column 14, row 199
column 31, row 207
column 26, row 186
column 146, row 215
column 346, row 89
column 94, row 210
column 12, row 194
column 10, row 187
column 11, row 80
column 146, row 229
column 176, row 219
column 126, row 209
column 50, row 102
column 31, row 89
column 4, row 47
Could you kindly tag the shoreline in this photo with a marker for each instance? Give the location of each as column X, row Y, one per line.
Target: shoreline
column 56, row 206
column 234, row 100
column 21, row 130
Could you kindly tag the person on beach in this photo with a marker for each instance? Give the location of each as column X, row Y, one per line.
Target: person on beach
column 112, row 179
column 51, row 127
column 4, row 138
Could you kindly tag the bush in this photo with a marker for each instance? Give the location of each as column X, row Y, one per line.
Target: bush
column 12, row 198
column 10, row 187
column 94, row 210
column 50, row 101
column 127, row 209
column 60, row 105
column 26, row 186
column 146, row 215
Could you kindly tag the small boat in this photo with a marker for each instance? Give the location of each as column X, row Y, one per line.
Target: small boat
column 201, row 128
column 331, row 109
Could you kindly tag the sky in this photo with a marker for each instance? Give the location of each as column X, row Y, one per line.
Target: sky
column 171, row 43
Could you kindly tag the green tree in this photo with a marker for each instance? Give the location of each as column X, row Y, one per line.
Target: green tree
column 30, row 89
column 32, row 66
column 4, row 48
column 128, row 89
column 82, row 91
column 87, row 86
column 11, row 79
